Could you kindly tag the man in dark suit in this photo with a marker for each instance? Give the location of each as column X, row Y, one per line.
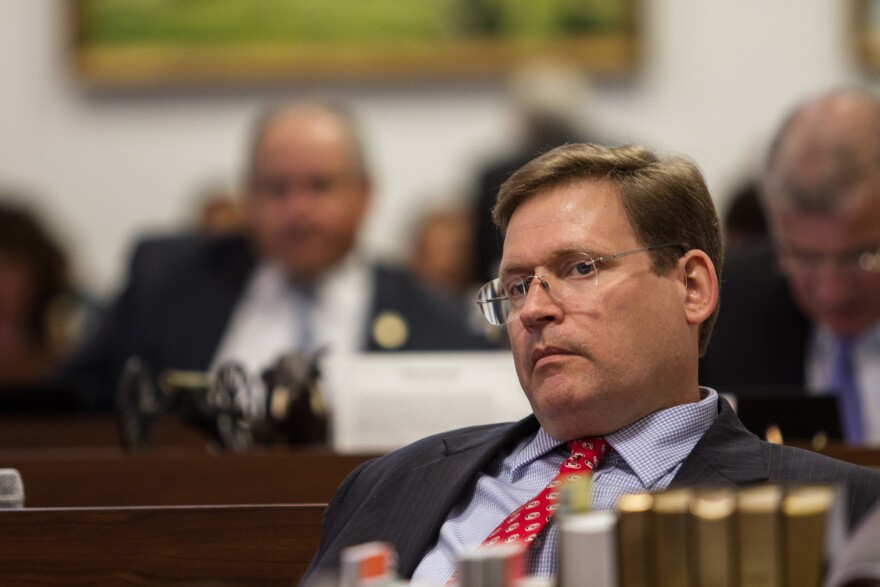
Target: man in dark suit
column 761, row 339
column 609, row 290
column 804, row 312
column 295, row 281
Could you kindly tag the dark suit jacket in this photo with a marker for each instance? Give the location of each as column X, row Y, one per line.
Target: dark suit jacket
column 761, row 338
column 404, row 497
column 181, row 294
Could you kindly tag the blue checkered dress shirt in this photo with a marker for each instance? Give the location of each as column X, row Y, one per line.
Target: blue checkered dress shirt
column 647, row 455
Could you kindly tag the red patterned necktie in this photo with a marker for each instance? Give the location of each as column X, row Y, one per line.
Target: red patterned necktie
column 526, row 522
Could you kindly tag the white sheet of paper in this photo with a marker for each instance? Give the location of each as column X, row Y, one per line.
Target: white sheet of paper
column 380, row 402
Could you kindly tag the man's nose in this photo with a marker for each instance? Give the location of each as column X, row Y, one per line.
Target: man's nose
column 298, row 201
column 539, row 306
column 834, row 286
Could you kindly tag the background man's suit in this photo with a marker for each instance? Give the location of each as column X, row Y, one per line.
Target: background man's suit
column 405, row 496
column 182, row 292
column 760, row 338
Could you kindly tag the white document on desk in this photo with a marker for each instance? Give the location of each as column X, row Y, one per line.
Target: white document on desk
column 382, row 401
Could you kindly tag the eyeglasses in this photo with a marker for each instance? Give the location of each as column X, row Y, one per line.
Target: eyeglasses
column 854, row 263
column 503, row 298
column 314, row 184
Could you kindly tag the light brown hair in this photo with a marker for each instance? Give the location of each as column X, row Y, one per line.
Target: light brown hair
column 665, row 200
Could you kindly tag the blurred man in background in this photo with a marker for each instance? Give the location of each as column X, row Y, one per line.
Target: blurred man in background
column 295, row 281
column 744, row 220
column 805, row 313
column 41, row 314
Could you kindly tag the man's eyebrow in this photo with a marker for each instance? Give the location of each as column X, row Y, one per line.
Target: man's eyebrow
column 519, row 269
column 569, row 251
column 853, row 250
column 513, row 269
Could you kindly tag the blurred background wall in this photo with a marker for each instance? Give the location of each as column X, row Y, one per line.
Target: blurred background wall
column 714, row 80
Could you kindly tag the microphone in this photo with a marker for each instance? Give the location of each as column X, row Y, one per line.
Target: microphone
column 11, row 489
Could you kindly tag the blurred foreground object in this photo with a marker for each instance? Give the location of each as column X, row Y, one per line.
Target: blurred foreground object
column 368, row 565
column 492, row 566
column 11, row 489
column 858, row 563
column 766, row 535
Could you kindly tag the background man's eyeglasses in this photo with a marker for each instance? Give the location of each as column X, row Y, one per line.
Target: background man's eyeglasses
column 810, row 264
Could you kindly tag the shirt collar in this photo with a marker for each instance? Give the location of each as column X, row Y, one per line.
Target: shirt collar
column 271, row 277
column 651, row 447
column 659, row 442
column 331, row 277
column 868, row 339
column 532, row 449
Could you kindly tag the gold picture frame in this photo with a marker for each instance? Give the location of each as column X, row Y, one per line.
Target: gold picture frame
column 866, row 36
column 137, row 43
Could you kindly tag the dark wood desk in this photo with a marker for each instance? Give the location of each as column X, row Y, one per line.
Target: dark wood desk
column 176, row 476
column 76, row 461
column 217, row 546
column 75, row 430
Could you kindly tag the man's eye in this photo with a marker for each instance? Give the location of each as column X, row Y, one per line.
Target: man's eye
column 581, row 269
column 323, row 184
column 806, row 259
column 516, row 288
column 272, row 188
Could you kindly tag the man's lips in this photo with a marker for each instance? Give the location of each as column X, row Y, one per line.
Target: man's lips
column 548, row 351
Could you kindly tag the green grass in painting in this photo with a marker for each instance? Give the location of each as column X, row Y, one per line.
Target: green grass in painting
column 114, row 22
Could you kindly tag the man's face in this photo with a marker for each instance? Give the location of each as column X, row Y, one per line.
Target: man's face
column 820, row 252
column 306, row 198
column 602, row 359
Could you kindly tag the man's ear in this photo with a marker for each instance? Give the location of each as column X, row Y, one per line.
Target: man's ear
column 366, row 187
column 701, row 286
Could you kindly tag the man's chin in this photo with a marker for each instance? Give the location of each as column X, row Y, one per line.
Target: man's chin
column 303, row 272
column 567, row 426
column 307, row 265
column 559, row 409
column 848, row 326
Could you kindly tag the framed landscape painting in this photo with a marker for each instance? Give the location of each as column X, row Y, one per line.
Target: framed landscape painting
column 153, row 42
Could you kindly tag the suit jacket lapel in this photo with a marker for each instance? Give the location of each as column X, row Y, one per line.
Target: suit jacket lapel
column 726, row 455
column 428, row 492
column 231, row 265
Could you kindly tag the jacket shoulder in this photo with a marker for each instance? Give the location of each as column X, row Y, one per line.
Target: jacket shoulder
column 786, row 464
column 186, row 248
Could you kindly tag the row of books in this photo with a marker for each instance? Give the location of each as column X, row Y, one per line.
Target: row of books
column 761, row 536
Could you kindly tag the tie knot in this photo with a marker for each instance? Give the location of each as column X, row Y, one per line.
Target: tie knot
column 586, row 452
